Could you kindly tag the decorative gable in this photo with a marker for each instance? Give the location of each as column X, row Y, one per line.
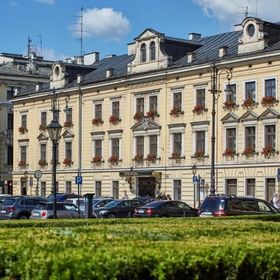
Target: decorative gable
column 145, row 124
column 67, row 134
column 230, row 118
column 42, row 137
column 249, row 116
column 269, row 114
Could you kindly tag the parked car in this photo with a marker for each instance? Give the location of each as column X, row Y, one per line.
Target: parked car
column 64, row 210
column 76, row 200
column 145, row 199
column 60, row 197
column 122, row 208
column 166, row 208
column 4, row 197
column 225, row 205
column 97, row 203
column 19, row 207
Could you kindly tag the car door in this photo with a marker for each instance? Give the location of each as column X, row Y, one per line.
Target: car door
column 123, row 209
column 185, row 210
column 70, row 210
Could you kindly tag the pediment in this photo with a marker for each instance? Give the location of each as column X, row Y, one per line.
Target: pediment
column 145, row 124
column 67, row 134
column 148, row 33
column 43, row 137
column 230, row 118
column 249, row 116
column 269, row 113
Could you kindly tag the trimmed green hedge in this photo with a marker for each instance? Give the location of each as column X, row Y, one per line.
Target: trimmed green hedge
column 188, row 248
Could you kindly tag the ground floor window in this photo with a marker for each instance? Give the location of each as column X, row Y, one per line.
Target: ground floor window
column 98, row 188
column 177, row 189
column 250, row 187
column 43, row 189
column 68, row 187
column 270, row 188
column 231, row 186
column 115, row 190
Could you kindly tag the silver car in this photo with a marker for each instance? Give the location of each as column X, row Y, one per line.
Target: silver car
column 64, row 211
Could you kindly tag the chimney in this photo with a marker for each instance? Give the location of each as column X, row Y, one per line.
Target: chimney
column 194, row 36
column 38, row 87
column 223, row 51
column 91, row 58
column 109, row 72
column 80, row 78
column 191, row 57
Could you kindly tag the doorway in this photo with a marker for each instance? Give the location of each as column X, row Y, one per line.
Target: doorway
column 146, row 186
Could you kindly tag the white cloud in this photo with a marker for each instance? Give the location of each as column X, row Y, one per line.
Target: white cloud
column 104, row 23
column 51, row 54
column 51, row 2
column 232, row 12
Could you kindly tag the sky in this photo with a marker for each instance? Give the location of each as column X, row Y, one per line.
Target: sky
column 54, row 26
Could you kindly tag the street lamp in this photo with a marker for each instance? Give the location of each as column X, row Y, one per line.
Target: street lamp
column 54, row 130
column 194, row 170
column 215, row 91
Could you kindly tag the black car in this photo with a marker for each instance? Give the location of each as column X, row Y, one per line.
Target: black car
column 19, row 207
column 123, row 208
column 166, row 208
column 226, row 205
column 61, row 197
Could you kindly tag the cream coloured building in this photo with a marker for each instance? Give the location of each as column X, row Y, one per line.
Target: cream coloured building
column 140, row 121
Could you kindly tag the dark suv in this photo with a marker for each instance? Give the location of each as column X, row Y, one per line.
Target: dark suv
column 19, row 207
column 225, row 205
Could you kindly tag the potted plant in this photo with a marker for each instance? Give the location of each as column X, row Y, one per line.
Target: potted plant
column 229, row 152
column 42, row 162
column 175, row 155
column 198, row 109
column 113, row 159
column 175, row 112
column 22, row 130
column 68, row 124
column 151, row 157
column 67, row 162
column 96, row 121
column 96, row 160
column 114, row 119
column 267, row 151
column 199, row 154
column 138, row 158
column 138, row 116
column 22, row 163
column 268, row 100
column 248, row 151
column 152, row 114
column 228, row 105
column 249, row 102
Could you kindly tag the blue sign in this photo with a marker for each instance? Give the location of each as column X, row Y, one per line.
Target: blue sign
column 78, row 180
column 194, row 179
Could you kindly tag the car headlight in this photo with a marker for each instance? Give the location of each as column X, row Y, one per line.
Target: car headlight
column 103, row 212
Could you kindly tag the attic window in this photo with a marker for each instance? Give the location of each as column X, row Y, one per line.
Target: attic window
column 143, row 53
column 56, row 71
column 251, row 30
column 152, row 51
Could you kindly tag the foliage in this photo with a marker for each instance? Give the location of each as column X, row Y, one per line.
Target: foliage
column 114, row 119
column 268, row 100
column 198, row 109
column 138, row 116
column 97, row 121
column 96, row 159
column 67, row 161
column 229, row 152
column 42, row 162
column 68, row 124
column 138, row 158
column 22, row 130
column 188, row 248
column 248, row 151
column 152, row 114
column 175, row 112
column 22, row 163
column 151, row 157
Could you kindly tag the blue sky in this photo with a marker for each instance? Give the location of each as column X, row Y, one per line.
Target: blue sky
column 111, row 24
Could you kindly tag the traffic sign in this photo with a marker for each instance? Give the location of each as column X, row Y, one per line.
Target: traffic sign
column 194, row 179
column 78, row 180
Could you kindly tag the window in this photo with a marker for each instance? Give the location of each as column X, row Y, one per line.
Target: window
column 270, row 87
column 177, row 144
column 98, row 188
column 43, row 152
column 250, row 187
column 140, row 105
column 115, row 189
column 152, row 51
column 200, row 97
column 270, row 188
column 250, row 91
column 44, row 119
column 10, row 155
column 69, row 116
column 68, row 150
column 231, row 186
column 231, row 94
column 98, row 148
column 200, row 142
column 116, row 109
column 98, row 111
column 269, row 132
column 23, row 153
column 24, row 121
column 153, row 145
column 143, row 53
column 153, row 103
column 177, row 189
column 68, row 187
column 231, row 139
column 177, row 100
column 140, row 146
column 115, row 147
column 43, row 189
column 10, row 124
column 250, row 134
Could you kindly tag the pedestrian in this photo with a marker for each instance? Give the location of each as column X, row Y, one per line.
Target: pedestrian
column 276, row 200
column 164, row 196
column 159, row 196
column 168, row 197
column 125, row 195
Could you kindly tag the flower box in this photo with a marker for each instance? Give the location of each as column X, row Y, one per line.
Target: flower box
column 175, row 156
column 249, row 103
column 68, row 124
column 248, row 151
column 22, row 130
column 152, row 114
column 42, row 162
column 96, row 121
column 268, row 151
column 67, row 162
column 198, row 109
column 22, row 163
column 230, row 105
column 229, row 152
column 97, row 160
column 199, row 154
column 269, row 100
column 114, row 159
column 114, row 119
column 151, row 157
column 138, row 116
column 175, row 112
column 138, row 158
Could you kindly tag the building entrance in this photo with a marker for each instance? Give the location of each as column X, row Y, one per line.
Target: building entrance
column 146, row 186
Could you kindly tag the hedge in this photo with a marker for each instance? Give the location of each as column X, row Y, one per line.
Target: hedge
column 183, row 248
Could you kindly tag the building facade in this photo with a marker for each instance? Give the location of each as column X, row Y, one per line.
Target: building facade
column 141, row 121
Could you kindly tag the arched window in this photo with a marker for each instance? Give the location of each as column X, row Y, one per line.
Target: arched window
column 152, row 51
column 143, row 56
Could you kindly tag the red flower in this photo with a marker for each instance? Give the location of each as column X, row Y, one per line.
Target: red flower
column 267, row 150
column 151, row 157
column 96, row 121
column 152, row 114
column 67, row 161
column 176, row 111
column 198, row 109
column 175, row 155
column 199, row 154
column 248, row 151
column 229, row 152
column 138, row 157
column 114, row 119
column 268, row 100
column 114, row 159
column 138, row 116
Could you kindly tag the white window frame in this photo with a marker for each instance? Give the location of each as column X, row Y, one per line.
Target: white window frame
column 256, row 89
column 276, row 85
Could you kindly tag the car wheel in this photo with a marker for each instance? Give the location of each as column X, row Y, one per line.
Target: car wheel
column 23, row 217
column 112, row 215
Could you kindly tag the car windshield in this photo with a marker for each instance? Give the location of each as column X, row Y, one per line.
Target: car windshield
column 8, row 202
column 154, row 204
column 51, row 197
column 212, row 204
column 113, row 203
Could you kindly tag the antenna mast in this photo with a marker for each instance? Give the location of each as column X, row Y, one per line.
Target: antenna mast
column 82, row 30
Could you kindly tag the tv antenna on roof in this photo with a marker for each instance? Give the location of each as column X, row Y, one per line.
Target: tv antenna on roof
column 246, row 11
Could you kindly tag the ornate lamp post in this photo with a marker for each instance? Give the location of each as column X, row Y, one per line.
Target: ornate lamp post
column 215, row 91
column 194, row 170
column 54, row 130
